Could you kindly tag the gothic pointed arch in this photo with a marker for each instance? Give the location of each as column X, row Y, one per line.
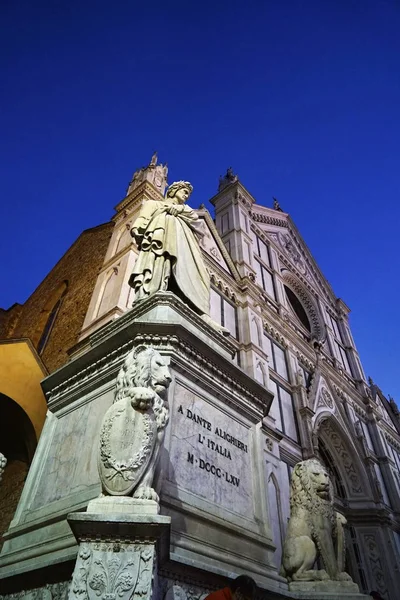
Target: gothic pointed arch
column 18, row 443
column 303, row 306
column 48, row 316
column 108, row 288
column 124, row 238
column 337, row 449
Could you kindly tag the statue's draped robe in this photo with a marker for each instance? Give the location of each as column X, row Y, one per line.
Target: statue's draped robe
column 169, row 248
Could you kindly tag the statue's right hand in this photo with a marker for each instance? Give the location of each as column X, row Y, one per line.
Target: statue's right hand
column 175, row 210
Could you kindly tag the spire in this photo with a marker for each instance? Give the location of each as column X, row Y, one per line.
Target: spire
column 227, row 179
column 154, row 173
column 277, row 206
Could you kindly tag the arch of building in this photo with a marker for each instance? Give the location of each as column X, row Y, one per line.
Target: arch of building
column 21, row 372
column 318, row 330
column 43, row 317
column 339, row 445
column 17, row 443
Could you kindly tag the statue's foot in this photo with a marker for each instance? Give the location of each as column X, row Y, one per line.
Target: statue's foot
column 215, row 325
column 146, row 493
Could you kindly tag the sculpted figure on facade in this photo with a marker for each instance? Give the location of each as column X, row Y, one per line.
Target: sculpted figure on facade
column 315, row 529
column 167, row 233
column 3, row 462
column 133, row 428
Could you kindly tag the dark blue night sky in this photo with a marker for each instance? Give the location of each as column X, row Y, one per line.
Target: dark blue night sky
column 301, row 98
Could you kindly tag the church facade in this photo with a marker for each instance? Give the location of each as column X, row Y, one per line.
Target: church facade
column 286, row 385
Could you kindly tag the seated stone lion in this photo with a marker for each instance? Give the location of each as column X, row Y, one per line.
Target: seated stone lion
column 133, row 427
column 314, row 528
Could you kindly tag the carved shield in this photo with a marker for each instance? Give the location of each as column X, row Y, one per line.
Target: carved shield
column 127, row 440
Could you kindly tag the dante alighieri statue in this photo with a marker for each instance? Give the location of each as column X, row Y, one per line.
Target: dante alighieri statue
column 167, row 233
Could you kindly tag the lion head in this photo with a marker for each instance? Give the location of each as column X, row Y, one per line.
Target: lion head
column 311, row 488
column 143, row 367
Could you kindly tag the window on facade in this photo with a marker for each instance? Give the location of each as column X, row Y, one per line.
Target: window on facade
column 367, row 435
column 282, row 410
column 263, row 251
column 382, row 484
column 262, row 265
column 394, row 455
column 339, row 349
column 277, row 358
column 50, row 322
column 223, row 312
column 264, row 279
column 297, row 308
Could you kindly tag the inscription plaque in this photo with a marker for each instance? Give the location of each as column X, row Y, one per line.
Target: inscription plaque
column 210, row 454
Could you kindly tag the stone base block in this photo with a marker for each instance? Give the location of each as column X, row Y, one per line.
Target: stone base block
column 117, row 554
column 326, row 590
column 123, row 505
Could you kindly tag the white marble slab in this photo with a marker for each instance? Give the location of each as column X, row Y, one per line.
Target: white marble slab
column 210, row 452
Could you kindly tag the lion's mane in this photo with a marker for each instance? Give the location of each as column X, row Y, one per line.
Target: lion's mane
column 136, row 372
column 304, row 495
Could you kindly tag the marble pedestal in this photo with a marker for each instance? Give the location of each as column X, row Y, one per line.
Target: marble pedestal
column 326, row 590
column 117, row 554
column 209, row 478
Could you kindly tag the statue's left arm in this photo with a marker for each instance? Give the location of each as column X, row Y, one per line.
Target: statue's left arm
column 140, row 225
column 192, row 219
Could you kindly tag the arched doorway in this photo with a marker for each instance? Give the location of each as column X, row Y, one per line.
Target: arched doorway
column 18, row 444
column 350, row 482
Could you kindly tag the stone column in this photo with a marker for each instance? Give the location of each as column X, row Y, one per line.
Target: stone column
column 117, row 554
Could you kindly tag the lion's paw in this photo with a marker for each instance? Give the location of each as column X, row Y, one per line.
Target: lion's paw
column 321, row 575
column 146, row 493
column 142, row 398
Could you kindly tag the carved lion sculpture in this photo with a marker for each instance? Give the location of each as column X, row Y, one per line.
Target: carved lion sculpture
column 133, row 428
column 314, row 528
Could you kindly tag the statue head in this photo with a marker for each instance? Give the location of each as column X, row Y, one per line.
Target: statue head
column 179, row 191
column 143, row 367
column 310, row 484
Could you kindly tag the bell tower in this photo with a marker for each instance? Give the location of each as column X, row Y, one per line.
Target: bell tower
column 112, row 295
column 153, row 173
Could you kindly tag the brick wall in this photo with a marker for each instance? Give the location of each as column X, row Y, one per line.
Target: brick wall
column 8, row 320
column 79, row 267
column 11, row 488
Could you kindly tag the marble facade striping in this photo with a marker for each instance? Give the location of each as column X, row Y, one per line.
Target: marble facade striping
column 225, row 464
